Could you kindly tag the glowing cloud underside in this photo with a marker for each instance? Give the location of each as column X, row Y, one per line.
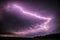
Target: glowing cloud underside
column 37, row 28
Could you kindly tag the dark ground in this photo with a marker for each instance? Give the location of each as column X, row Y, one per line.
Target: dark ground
column 47, row 37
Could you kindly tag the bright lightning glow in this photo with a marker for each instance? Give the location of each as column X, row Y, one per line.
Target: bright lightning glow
column 39, row 28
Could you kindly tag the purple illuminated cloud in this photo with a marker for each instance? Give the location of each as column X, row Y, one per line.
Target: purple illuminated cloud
column 38, row 28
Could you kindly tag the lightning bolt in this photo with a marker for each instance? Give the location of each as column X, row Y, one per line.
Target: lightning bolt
column 40, row 27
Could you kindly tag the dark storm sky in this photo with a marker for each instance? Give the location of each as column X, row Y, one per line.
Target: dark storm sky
column 9, row 20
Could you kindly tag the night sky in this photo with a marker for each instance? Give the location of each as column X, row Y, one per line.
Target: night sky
column 12, row 20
